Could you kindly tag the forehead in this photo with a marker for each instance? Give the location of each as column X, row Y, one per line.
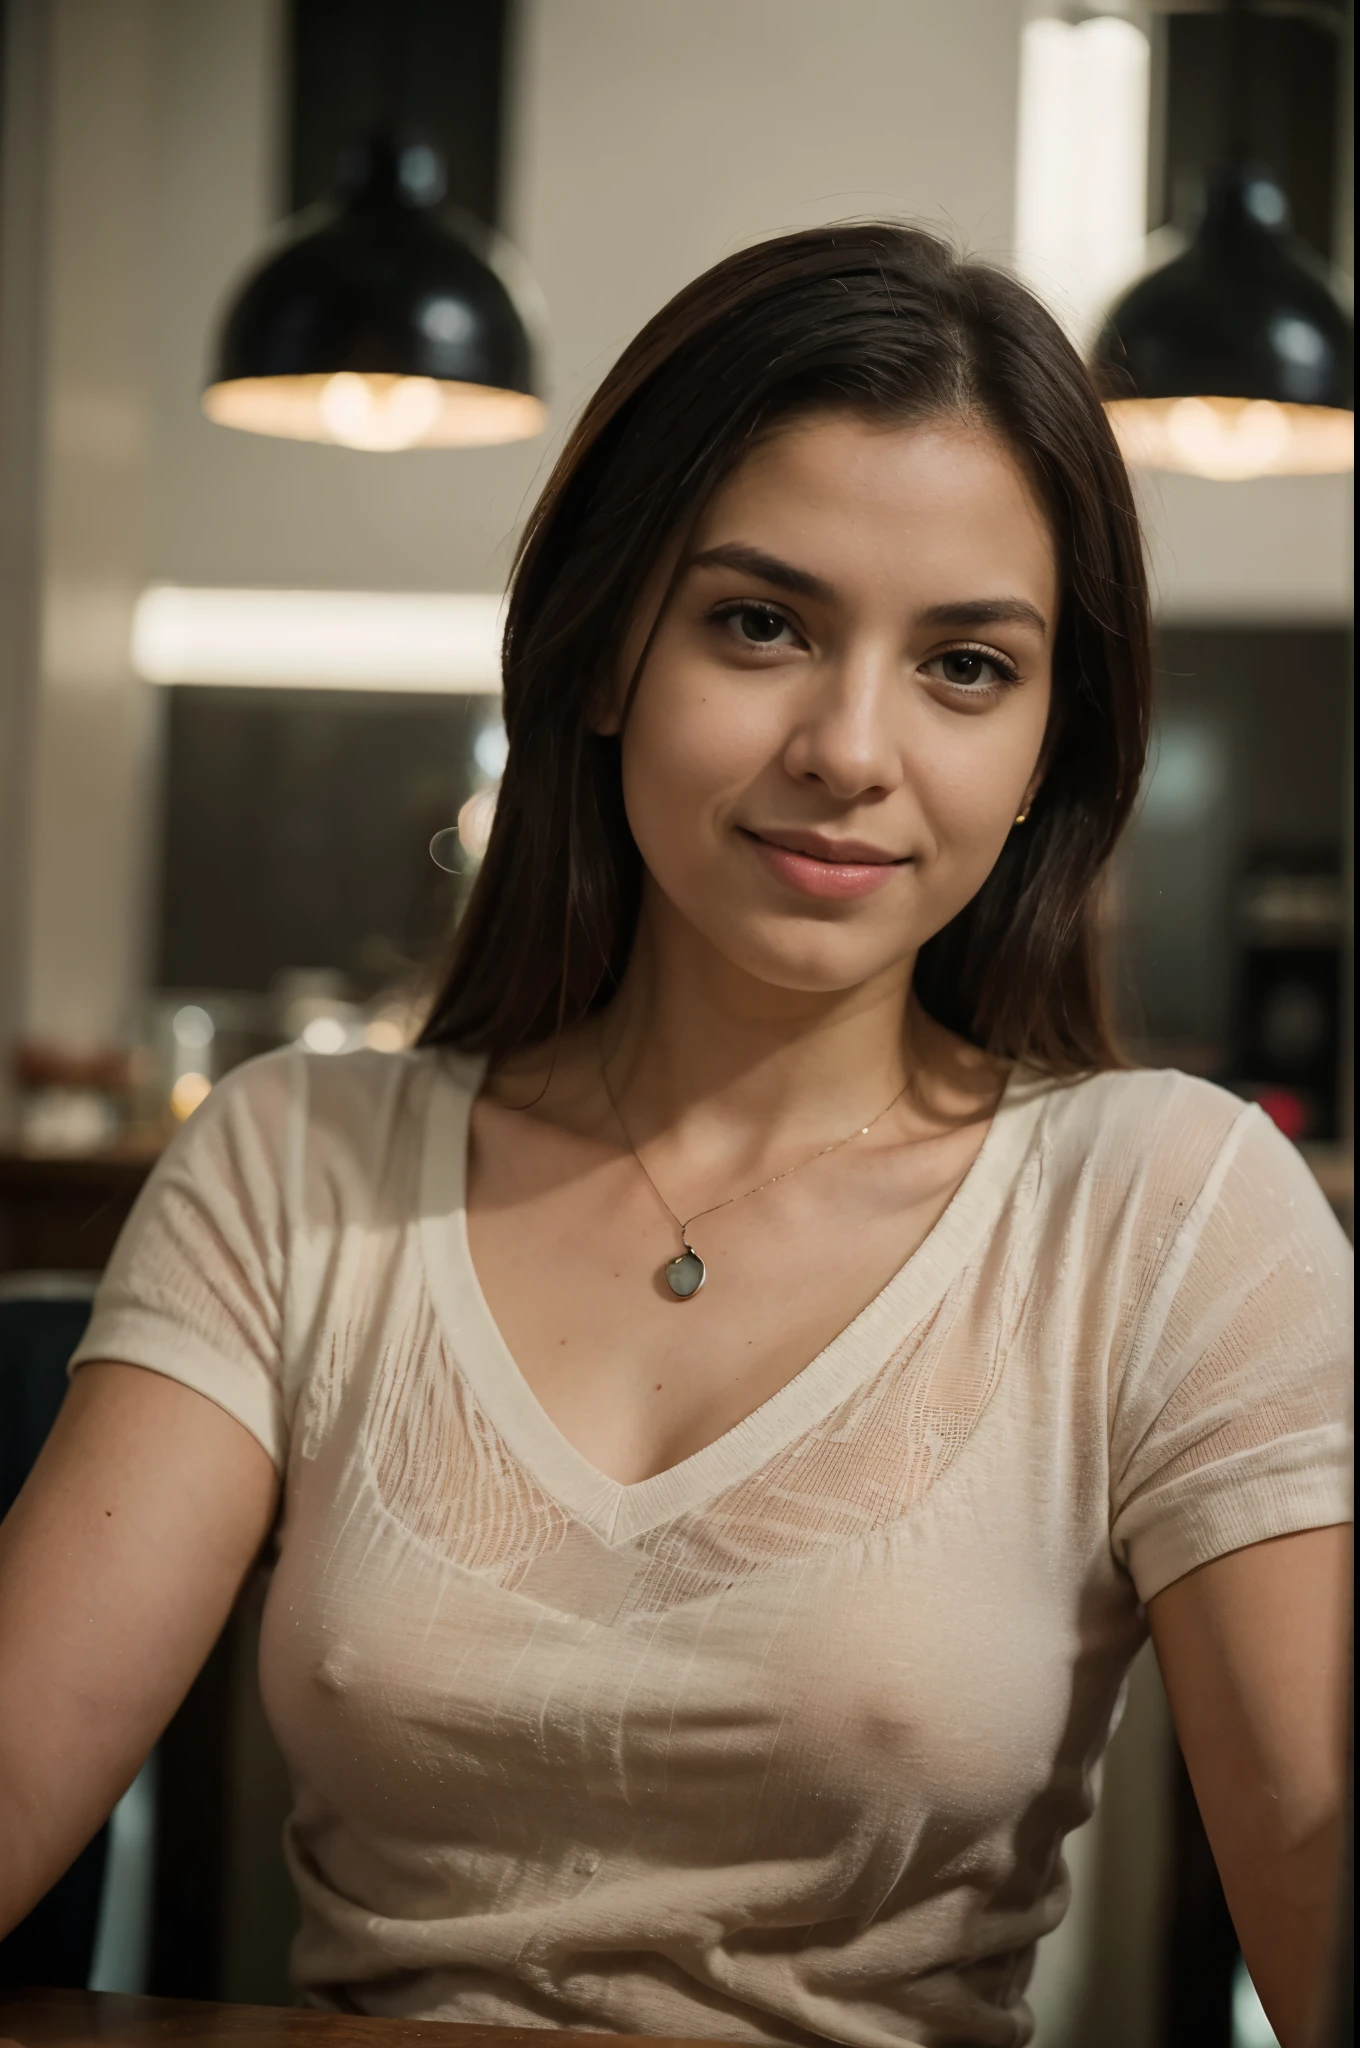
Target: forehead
column 935, row 509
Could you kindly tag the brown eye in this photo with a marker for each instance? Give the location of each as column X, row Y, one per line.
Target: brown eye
column 964, row 668
column 972, row 671
column 756, row 625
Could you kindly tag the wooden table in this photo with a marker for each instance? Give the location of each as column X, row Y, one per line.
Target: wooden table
column 84, row 2019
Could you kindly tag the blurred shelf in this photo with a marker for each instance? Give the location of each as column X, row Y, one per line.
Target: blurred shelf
column 64, row 1214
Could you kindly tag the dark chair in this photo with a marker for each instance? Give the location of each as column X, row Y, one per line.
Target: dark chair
column 42, row 1319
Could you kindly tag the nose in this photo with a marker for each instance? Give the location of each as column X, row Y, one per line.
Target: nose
column 846, row 735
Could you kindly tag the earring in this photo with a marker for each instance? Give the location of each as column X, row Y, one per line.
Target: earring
column 1022, row 815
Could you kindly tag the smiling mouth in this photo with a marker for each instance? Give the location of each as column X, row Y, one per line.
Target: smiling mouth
column 816, row 867
column 851, row 853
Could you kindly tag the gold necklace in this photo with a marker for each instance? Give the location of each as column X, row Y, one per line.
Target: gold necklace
column 686, row 1273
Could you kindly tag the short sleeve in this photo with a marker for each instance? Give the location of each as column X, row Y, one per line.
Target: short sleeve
column 1232, row 1416
column 195, row 1287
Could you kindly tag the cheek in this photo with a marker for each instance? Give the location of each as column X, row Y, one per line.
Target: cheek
column 689, row 748
column 971, row 773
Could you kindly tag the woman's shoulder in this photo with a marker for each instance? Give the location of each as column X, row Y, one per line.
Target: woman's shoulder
column 1141, row 1105
column 314, row 1113
column 1168, row 1145
column 358, row 1088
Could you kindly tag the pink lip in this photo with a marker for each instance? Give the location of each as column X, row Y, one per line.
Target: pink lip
column 833, row 870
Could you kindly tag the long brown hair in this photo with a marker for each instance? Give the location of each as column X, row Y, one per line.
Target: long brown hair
column 890, row 322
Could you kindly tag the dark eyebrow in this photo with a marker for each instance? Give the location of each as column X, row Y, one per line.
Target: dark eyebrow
column 969, row 612
column 769, row 569
column 984, row 611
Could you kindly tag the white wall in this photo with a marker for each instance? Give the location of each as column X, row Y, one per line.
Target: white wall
column 88, row 752
column 22, row 237
column 647, row 138
column 1276, row 550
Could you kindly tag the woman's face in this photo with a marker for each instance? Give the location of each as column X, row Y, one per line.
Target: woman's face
column 845, row 701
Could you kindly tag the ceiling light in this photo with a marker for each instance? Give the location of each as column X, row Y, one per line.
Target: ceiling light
column 377, row 326
column 1233, row 438
column 1081, row 161
column 1235, row 359
column 320, row 639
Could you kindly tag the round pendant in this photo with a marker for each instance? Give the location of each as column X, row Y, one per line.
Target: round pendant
column 685, row 1274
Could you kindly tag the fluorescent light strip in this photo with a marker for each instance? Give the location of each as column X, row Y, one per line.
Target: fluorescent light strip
column 320, row 639
column 1081, row 164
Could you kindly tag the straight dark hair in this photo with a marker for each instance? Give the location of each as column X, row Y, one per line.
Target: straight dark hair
column 890, row 323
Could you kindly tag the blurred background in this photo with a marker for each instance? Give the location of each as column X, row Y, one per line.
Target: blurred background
column 247, row 677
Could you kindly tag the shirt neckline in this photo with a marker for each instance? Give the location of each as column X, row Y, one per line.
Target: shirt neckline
column 617, row 1512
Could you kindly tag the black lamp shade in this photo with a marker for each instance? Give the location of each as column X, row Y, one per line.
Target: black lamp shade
column 377, row 326
column 1236, row 358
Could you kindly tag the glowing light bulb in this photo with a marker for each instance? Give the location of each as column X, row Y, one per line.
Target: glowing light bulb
column 384, row 1034
column 378, row 411
column 475, row 821
column 491, row 750
column 1231, row 439
column 325, row 1034
column 375, row 412
column 1212, row 441
column 188, row 1091
column 193, row 1027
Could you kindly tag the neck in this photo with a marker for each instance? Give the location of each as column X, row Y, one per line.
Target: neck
column 694, row 1042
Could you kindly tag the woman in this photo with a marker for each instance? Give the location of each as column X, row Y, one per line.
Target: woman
column 742, row 1387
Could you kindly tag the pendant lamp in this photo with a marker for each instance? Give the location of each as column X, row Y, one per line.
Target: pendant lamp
column 1235, row 360
column 377, row 326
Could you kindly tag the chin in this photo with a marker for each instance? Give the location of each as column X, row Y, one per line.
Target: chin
column 817, row 961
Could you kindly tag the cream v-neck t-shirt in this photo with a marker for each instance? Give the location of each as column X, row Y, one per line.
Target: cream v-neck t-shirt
column 780, row 1745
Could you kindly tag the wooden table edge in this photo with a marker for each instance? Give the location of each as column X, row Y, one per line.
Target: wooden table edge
column 37, row 2018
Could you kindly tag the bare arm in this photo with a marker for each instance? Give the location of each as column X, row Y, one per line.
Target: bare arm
column 119, row 1563
column 1253, row 1650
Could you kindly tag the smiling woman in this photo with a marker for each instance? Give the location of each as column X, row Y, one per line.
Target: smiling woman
column 878, row 328
column 746, row 1384
column 845, row 727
